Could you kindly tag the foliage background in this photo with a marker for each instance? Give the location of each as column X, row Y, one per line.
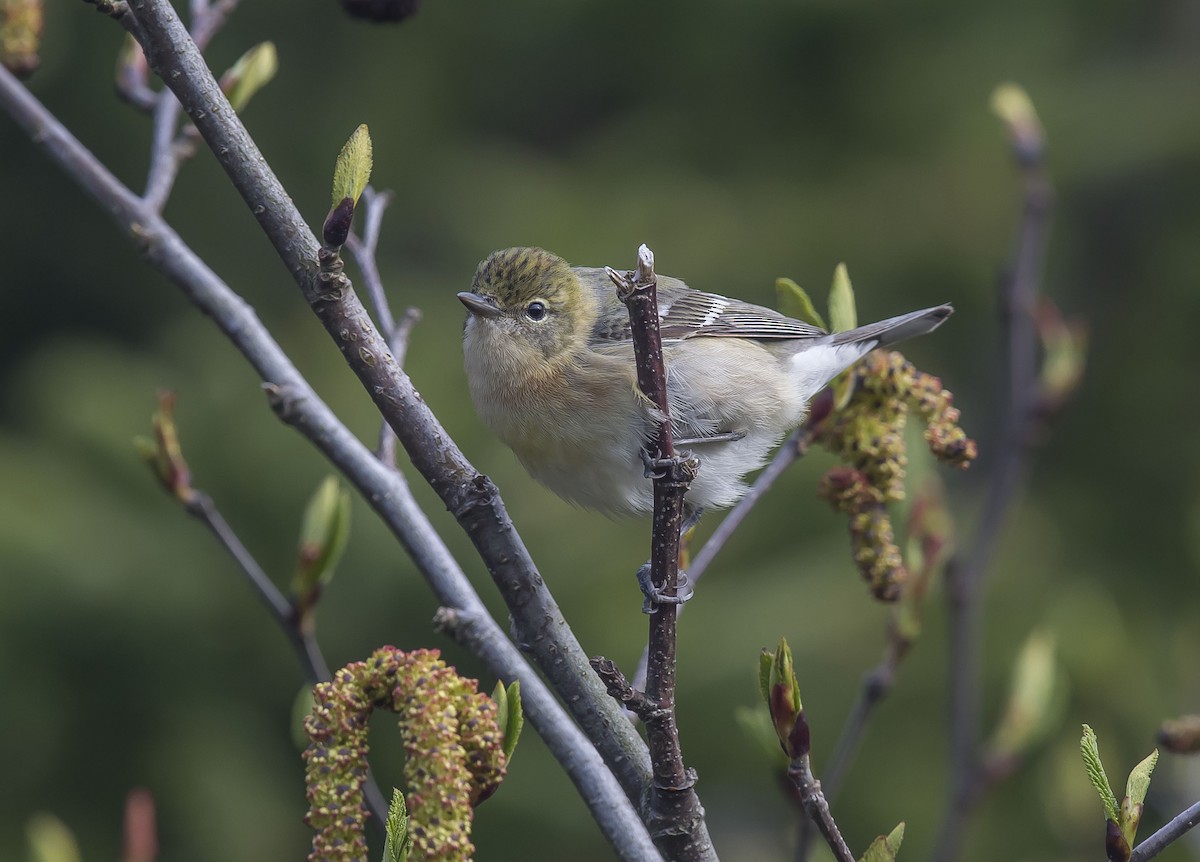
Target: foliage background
column 743, row 143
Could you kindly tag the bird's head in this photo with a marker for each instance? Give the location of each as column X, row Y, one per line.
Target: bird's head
column 529, row 303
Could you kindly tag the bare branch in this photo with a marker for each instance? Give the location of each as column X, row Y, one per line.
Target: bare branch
column 1160, row 840
column 1018, row 292
column 202, row 507
column 363, row 250
column 817, row 806
column 675, row 816
column 383, row 489
column 373, row 204
column 303, row 640
column 469, row 495
column 794, row 448
column 170, row 148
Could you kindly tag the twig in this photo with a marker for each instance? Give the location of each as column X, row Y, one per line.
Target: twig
column 304, row 643
column 364, row 250
column 675, row 816
column 169, row 149
column 373, row 205
column 1159, row 841
column 132, row 79
column 794, row 448
column 875, row 687
column 384, row 490
column 469, row 495
column 812, row 798
column 965, row 574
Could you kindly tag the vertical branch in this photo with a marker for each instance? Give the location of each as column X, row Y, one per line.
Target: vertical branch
column 675, row 818
column 1018, row 292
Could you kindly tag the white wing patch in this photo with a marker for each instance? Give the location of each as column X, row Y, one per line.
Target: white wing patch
column 714, row 313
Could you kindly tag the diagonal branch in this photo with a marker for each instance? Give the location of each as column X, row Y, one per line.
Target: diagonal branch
column 384, row 489
column 469, row 495
column 1158, row 842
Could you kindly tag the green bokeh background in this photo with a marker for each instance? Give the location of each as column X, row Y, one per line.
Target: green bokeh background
column 742, row 142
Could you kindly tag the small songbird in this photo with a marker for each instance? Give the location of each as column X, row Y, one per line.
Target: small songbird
column 550, row 366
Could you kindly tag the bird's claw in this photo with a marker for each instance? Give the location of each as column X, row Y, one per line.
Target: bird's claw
column 653, row 596
column 658, row 468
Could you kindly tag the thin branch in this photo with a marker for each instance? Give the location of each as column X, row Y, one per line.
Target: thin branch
column 812, row 798
column 373, row 204
column 133, row 79
column 165, row 160
column 384, row 490
column 675, row 816
column 363, row 250
column 794, row 448
column 965, row 574
column 169, row 147
column 875, row 687
column 398, row 344
column 304, row 642
column 469, row 495
column 1158, row 842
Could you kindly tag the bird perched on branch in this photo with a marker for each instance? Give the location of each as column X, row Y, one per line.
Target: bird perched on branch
column 550, row 366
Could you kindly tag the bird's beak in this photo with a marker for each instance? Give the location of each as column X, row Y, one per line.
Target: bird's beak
column 484, row 306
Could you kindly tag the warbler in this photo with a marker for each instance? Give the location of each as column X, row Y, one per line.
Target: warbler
column 550, row 366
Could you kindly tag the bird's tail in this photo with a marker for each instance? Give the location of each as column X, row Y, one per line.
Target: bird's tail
column 894, row 329
column 820, row 360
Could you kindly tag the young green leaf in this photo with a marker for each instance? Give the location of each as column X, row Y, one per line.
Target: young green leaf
column 766, row 658
column 793, row 300
column 353, row 169
column 1031, row 697
column 399, row 841
column 885, row 848
column 50, row 840
column 1139, row 779
column 514, row 719
column 1090, row 749
column 757, row 726
column 253, row 71
column 323, row 537
column 1135, row 796
column 1015, row 109
column 843, row 313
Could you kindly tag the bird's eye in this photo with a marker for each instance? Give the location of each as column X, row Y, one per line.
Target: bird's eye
column 535, row 311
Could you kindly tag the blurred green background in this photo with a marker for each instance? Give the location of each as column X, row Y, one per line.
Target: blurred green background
column 741, row 141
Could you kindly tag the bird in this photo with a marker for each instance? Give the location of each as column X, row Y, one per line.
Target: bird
column 549, row 362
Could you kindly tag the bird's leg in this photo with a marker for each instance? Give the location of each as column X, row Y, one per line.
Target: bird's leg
column 726, row 437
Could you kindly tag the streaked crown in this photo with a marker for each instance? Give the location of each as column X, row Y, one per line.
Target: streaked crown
column 515, row 276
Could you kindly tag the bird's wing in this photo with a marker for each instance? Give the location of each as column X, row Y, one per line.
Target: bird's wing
column 686, row 313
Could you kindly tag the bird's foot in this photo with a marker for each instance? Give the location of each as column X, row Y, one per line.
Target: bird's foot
column 653, row 596
column 683, row 465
